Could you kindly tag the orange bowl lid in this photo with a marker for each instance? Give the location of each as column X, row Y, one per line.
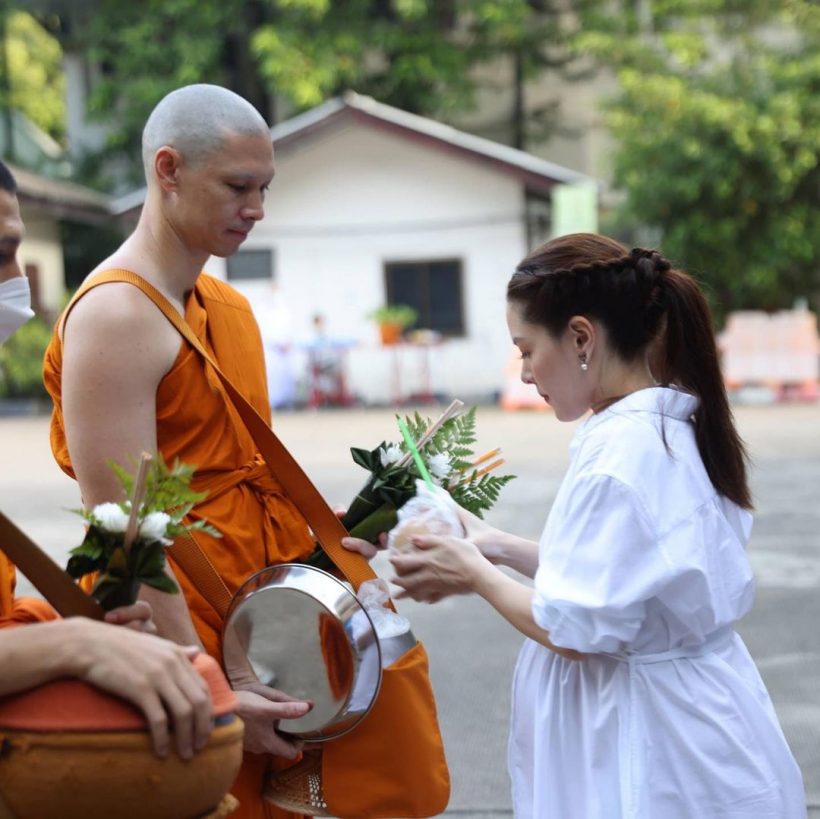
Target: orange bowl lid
column 74, row 705
column 221, row 692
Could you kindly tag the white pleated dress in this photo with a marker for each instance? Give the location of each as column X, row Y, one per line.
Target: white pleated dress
column 643, row 565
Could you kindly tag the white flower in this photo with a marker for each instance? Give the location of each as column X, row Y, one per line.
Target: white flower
column 390, row 454
column 154, row 526
column 439, row 465
column 110, row 516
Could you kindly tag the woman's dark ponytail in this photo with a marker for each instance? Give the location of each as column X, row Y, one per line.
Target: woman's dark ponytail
column 688, row 356
column 646, row 307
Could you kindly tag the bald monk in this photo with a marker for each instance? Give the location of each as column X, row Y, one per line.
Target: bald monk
column 124, row 381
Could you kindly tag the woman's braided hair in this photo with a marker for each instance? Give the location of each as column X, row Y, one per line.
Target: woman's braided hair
column 622, row 289
column 641, row 300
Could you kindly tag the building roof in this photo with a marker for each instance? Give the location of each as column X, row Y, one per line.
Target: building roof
column 293, row 133
column 352, row 107
column 62, row 199
column 33, row 147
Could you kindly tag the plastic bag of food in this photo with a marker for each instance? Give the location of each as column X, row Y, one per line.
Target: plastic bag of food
column 392, row 629
column 431, row 512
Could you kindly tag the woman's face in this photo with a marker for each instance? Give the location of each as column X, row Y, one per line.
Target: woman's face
column 553, row 365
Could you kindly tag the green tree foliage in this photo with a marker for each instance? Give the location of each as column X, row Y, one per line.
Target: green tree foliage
column 718, row 126
column 401, row 52
column 418, row 55
column 21, row 361
column 715, row 120
column 415, row 54
column 145, row 50
column 140, row 51
column 35, row 83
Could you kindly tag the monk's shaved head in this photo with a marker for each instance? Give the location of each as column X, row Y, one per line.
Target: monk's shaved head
column 195, row 120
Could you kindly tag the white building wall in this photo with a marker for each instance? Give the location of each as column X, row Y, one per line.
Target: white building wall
column 42, row 247
column 341, row 207
column 582, row 142
column 83, row 135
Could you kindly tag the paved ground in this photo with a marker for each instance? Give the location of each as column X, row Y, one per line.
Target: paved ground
column 472, row 651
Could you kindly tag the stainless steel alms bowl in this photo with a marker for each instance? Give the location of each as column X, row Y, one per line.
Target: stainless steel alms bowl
column 304, row 633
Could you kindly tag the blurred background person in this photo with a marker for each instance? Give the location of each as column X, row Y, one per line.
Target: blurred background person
column 276, row 326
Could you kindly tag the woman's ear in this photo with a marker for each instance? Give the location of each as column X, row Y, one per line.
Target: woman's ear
column 583, row 334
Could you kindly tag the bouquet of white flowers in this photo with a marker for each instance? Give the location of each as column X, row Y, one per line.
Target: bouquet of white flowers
column 125, row 542
column 446, row 449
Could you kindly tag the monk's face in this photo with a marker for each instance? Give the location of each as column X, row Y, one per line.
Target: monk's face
column 221, row 197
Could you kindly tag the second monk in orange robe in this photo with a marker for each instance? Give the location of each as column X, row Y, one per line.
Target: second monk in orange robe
column 17, row 611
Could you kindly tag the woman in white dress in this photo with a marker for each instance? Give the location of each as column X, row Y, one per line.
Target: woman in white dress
column 633, row 697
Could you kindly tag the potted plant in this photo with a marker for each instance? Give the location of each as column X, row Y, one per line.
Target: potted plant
column 392, row 320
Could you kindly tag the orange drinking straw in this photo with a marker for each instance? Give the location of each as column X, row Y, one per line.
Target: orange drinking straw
column 460, row 475
column 473, row 475
column 486, row 456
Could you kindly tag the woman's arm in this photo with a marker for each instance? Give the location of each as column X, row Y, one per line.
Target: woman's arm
column 513, row 601
column 445, row 566
column 515, row 552
column 499, row 547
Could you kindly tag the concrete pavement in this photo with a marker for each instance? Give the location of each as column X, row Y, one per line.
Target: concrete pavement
column 472, row 650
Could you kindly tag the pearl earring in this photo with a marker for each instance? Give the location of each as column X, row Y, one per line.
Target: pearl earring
column 583, row 359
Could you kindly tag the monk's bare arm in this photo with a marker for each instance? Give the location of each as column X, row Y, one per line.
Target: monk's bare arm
column 155, row 675
column 116, row 349
column 115, row 352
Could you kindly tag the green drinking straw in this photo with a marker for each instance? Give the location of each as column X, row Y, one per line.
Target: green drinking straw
column 414, row 451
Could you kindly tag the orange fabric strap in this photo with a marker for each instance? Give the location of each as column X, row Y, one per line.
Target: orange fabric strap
column 67, row 598
column 195, row 563
column 326, row 527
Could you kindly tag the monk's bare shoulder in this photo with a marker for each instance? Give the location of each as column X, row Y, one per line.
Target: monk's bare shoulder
column 116, row 325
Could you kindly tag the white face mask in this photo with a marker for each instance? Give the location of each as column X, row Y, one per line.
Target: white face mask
column 15, row 305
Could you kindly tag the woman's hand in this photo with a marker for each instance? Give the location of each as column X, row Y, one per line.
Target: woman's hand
column 440, row 567
column 499, row 547
column 486, row 538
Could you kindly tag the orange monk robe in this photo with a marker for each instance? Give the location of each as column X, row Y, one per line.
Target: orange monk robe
column 197, row 423
column 17, row 611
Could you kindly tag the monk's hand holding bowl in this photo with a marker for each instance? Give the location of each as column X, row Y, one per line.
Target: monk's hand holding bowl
column 261, row 708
